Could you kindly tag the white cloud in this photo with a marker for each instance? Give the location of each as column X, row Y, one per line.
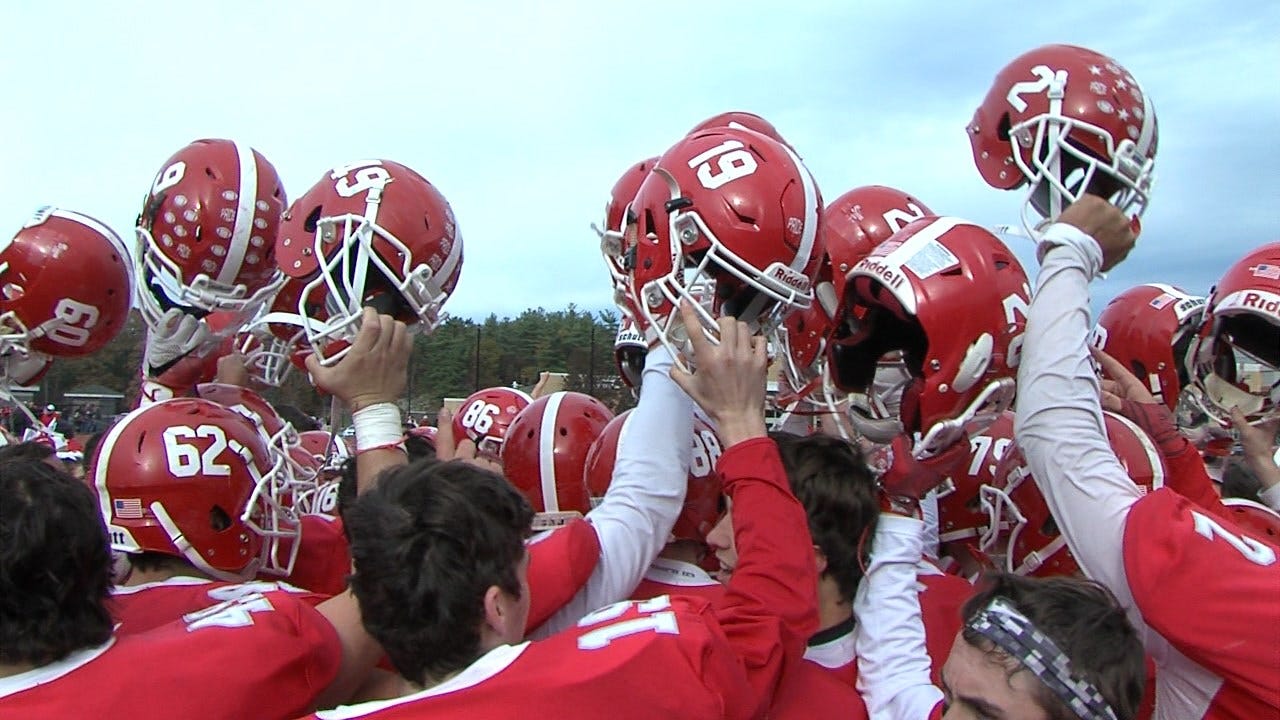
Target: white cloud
column 524, row 114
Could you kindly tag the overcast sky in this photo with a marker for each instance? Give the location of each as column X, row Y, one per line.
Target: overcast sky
column 524, row 114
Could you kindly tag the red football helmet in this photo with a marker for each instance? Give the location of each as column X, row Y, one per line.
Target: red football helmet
column 1066, row 120
column 962, row 516
column 545, row 453
column 1241, row 326
column 740, row 120
column 1033, row 544
column 485, row 417
column 702, row 500
column 859, row 220
column 1258, row 520
column 1149, row 329
column 904, row 295
column 615, row 223
column 629, row 353
column 326, row 450
column 730, row 210
column 207, row 231
column 190, row 478
column 369, row 232
column 65, row 286
column 853, row 224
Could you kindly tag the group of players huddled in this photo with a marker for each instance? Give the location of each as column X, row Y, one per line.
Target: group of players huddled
column 1005, row 512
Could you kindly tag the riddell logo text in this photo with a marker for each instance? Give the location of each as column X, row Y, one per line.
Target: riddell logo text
column 888, row 274
column 790, row 279
column 1269, row 304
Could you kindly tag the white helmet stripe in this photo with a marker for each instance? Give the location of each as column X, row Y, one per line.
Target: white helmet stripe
column 1148, row 133
column 245, row 212
column 105, row 504
column 547, row 453
column 810, row 233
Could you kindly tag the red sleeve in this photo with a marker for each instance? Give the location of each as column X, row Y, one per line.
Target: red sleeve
column 770, row 607
column 560, row 563
column 1199, row 581
column 1188, row 477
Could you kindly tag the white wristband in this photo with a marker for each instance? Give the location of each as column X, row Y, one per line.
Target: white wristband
column 377, row 427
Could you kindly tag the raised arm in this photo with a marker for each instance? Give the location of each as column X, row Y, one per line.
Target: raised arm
column 1059, row 424
column 634, row 519
column 893, row 660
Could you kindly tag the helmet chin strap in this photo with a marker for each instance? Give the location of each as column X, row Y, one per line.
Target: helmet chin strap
column 183, row 546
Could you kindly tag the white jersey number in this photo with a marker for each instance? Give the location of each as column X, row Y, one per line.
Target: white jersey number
column 706, row 453
column 657, row 618
column 1253, row 551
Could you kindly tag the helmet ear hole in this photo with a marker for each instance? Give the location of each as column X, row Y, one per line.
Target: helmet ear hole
column 313, row 219
column 1003, row 126
column 219, row 520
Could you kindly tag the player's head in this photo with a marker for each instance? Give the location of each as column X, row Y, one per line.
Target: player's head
column 1044, row 649
column 1149, row 329
column 1022, row 530
column 831, row 480
column 1065, row 121
column 54, row 565
column 440, row 565
column 486, row 415
column 544, row 454
column 702, row 498
column 191, row 480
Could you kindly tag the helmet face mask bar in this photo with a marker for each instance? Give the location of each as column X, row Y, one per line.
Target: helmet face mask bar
column 346, row 284
column 703, row 283
column 159, row 287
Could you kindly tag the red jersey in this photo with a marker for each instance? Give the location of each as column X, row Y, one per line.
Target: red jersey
column 324, row 557
column 807, row 692
column 834, row 653
column 674, row 577
column 942, row 596
column 560, row 562
column 255, row 657
column 664, row 657
column 139, row 608
column 1210, row 590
